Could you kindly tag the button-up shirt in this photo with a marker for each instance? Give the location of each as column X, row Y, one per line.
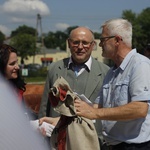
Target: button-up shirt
column 129, row 82
column 78, row 69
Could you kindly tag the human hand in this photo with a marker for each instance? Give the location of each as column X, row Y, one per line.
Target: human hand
column 83, row 109
column 50, row 120
column 46, row 129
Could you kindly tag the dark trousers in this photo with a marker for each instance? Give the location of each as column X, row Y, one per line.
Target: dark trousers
column 126, row 146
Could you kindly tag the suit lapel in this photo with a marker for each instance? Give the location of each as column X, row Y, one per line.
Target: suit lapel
column 93, row 80
column 62, row 68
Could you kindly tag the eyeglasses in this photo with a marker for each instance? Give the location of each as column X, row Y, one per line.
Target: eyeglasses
column 84, row 43
column 102, row 39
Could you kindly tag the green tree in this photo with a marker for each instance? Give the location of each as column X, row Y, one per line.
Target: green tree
column 141, row 24
column 144, row 25
column 24, row 40
column 2, row 37
column 50, row 40
column 25, row 44
column 69, row 29
column 96, row 35
column 56, row 40
column 61, row 39
column 24, row 29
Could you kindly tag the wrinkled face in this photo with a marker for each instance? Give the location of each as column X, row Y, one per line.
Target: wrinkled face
column 12, row 66
column 81, row 44
column 107, row 42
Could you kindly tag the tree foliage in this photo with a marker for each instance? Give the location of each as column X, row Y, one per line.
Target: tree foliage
column 141, row 24
column 69, row 29
column 2, row 37
column 24, row 29
column 57, row 40
column 24, row 40
column 25, row 45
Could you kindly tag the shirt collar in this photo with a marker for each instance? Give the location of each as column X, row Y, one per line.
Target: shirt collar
column 87, row 63
column 127, row 58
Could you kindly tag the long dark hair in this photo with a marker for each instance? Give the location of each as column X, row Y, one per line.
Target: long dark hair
column 5, row 51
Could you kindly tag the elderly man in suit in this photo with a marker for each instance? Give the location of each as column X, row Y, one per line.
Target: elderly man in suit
column 83, row 73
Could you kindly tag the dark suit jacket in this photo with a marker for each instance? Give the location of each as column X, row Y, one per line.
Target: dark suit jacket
column 93, row 84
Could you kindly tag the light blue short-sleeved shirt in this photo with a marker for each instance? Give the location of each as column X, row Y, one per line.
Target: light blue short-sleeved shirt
column 129, row 82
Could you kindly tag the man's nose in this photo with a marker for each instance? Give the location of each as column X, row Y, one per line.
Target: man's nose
column 80, row 45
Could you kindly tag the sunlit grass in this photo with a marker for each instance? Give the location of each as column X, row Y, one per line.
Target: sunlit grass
column 34, row 79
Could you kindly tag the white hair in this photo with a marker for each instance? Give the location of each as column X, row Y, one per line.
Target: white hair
column 120, row 27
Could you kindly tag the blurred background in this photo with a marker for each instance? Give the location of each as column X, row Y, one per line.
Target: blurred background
column 38, row 29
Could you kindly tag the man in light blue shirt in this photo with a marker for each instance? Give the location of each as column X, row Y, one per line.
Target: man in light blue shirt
column 124, row 99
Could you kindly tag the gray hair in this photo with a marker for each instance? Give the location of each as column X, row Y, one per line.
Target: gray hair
column 120, row 27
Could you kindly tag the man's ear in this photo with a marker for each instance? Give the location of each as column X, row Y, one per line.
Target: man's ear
column 94, row 44
column 68, row 40
column 118, row 38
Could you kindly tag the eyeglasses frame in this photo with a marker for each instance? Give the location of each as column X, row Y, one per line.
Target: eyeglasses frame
column 102, row 39
column 76, row 45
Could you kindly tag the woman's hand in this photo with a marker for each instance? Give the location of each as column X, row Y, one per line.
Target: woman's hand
column 50, row 120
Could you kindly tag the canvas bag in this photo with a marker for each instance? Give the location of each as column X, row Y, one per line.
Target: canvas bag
column 72, row 132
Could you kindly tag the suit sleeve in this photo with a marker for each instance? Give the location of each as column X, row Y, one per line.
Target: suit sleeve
column 44, row 101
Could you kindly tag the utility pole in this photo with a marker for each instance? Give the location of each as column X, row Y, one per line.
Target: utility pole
column 39, row 25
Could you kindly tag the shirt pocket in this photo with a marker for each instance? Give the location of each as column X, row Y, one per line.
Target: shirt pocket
column 121, row 93
column 107, row 96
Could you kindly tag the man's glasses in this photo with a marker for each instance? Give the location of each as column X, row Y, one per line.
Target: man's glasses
column 84, row 43
column 102, row 39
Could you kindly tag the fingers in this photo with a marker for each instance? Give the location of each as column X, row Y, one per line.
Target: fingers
column 49, row 130
column 77, row 101
column 46, row 129
column 79, row 105
column 42, row 131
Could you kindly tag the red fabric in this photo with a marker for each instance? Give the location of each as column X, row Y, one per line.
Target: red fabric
column 20, row 95
column 62, row 94
column 61, row 139
column 63, row 121
column 63, row 124
column 54, row 100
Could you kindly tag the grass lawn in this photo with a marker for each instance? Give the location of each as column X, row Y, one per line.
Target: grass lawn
column 34, row 79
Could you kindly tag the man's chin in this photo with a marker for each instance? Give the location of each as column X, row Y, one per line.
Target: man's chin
column 103, row 55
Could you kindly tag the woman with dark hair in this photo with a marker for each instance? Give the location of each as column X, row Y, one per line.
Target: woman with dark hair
column 9, row 68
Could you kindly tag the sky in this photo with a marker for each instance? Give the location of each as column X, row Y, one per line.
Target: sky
column 58, row 15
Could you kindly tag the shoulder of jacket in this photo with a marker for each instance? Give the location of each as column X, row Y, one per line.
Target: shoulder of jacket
column 100, row 63
column 59, row 63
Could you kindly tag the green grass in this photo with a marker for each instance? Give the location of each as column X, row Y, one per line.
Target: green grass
column 34, row 79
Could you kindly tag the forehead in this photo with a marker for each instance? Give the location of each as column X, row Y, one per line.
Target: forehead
column 12, row 56
column 81, row 34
